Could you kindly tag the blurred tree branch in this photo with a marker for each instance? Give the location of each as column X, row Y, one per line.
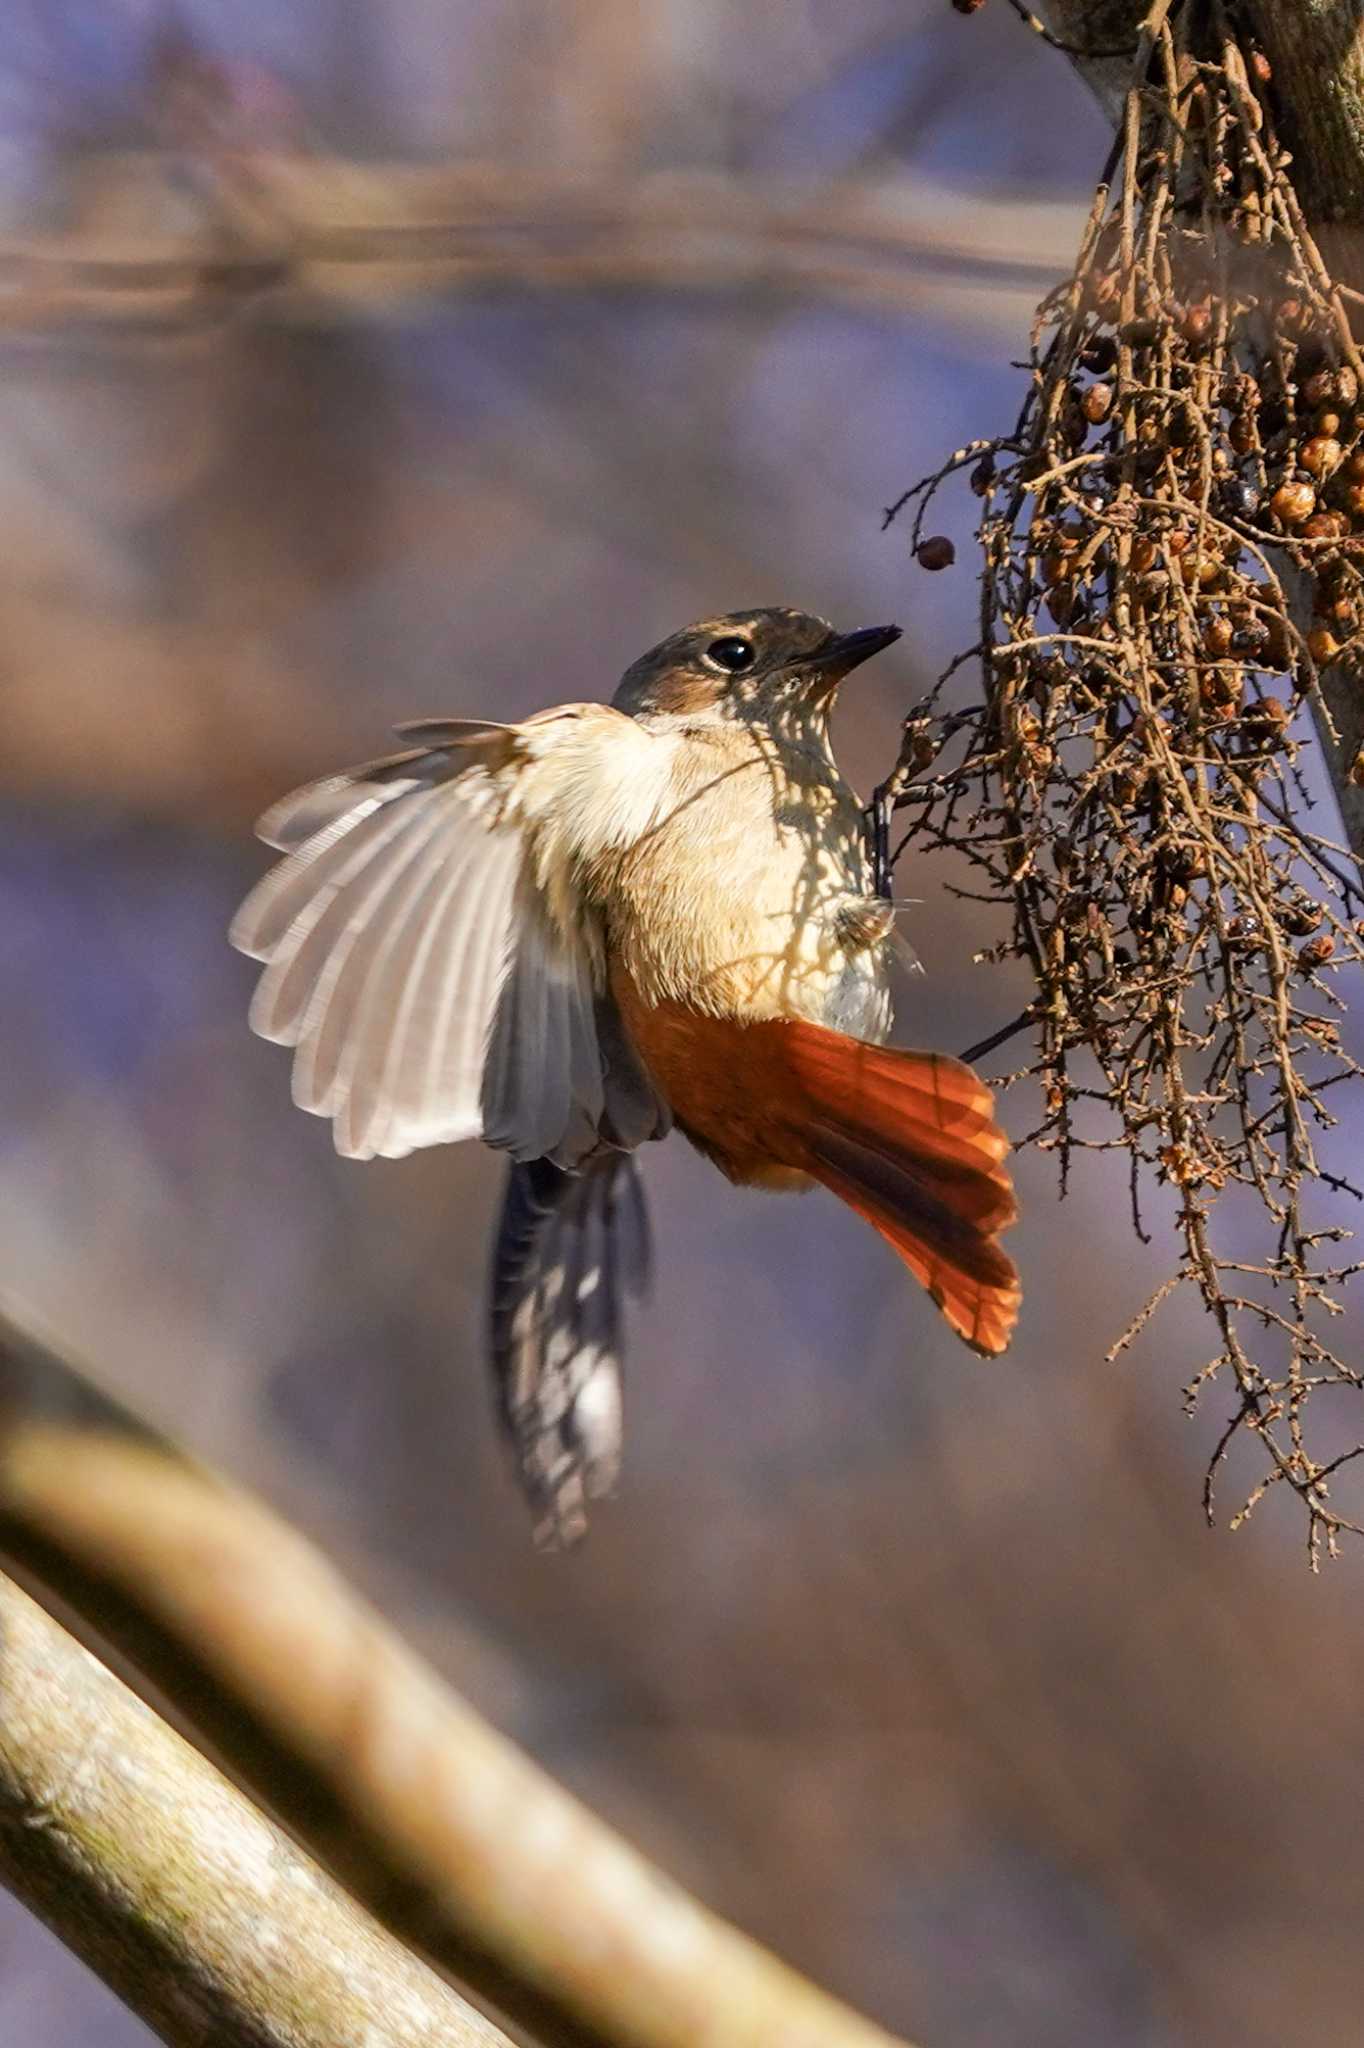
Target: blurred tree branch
column 446, row 1832
column 203, row 1917
column 316, row 240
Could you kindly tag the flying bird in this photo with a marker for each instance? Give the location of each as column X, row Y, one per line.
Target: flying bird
column 569, row 935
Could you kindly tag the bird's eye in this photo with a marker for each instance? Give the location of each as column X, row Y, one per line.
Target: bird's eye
column 732, row 654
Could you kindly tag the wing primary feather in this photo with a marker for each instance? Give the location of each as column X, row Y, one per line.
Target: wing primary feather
column 301, row 952
column 477, row 960
column 364, row 1117
column 435, row 935
column 285, row 894
column 331, row 966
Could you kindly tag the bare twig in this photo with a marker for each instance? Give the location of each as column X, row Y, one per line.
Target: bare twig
column 1192, row 444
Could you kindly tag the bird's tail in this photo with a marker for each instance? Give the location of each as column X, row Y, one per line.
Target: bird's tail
column 908, row 1140
column 569, row 1247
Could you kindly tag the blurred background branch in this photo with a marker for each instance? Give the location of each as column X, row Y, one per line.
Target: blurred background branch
column 320, row 241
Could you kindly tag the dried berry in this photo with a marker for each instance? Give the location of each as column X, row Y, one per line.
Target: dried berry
column 983, row 475
column 937, row 552
column 1219, row 690
column 1186, row 863
column 1321, row 456
column 1316, row 952
column 1323, row 646
column 1196, row 325
column 1293, row 503
column 1097, row 403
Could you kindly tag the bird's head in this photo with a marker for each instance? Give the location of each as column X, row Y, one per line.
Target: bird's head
column 758, row 667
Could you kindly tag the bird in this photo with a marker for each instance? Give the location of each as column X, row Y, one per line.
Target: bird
column 570, row 935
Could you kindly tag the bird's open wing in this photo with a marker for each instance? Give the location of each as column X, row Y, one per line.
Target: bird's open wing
column 414, row 959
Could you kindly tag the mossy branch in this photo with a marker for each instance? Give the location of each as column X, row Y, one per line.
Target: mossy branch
column 204, row 1918
column 454, row 1839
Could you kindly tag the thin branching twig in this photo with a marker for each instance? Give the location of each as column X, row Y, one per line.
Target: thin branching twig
column 1189, row 457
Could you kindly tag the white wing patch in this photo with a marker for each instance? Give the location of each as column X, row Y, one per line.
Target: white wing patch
column 412, row 959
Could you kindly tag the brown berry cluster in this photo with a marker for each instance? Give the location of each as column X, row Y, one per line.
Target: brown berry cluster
column 1173, row 553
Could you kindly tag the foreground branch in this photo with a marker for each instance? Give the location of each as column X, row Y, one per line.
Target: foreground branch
column 443, row 1828
column 196, row 1910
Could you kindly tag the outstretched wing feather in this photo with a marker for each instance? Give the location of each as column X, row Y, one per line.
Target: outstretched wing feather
column 412, row 960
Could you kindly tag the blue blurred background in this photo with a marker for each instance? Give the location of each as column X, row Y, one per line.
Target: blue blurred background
column 926, row 1670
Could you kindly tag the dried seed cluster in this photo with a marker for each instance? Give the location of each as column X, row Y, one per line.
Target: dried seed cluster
column 1173, row 543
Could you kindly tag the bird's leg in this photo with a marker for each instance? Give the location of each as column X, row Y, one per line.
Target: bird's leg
column 878, row 816
column 918, row 750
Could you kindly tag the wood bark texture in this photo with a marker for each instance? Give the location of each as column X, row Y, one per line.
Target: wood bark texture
column 203, row 1917
column 449, row 1835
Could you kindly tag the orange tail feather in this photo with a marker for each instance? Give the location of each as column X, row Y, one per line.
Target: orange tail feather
column 909, row 1141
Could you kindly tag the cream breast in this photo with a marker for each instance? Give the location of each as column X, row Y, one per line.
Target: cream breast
column 731, row 900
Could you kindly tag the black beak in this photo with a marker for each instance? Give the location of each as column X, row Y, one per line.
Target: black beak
column 847, row 651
